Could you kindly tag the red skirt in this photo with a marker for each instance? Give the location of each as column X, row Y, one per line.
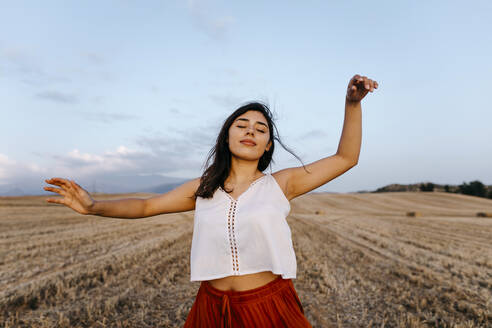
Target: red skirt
column 275, row 304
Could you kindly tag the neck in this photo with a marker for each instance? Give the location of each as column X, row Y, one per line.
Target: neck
column 243, row 172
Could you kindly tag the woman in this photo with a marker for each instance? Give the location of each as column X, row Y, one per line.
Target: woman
column 241, row 249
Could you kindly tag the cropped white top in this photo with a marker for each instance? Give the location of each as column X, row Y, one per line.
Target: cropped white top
column 240, row 236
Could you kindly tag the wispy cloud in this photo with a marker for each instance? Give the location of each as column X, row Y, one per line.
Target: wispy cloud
column 21, row 63
column 94, row 58
column 313, row 134
column 227, row 100
column 216, row 27
column 121, row 159
column 57, row 96
column 154, row 89
column 228, row 77
column 190, row 144
column 102, row 117
column 99, row 117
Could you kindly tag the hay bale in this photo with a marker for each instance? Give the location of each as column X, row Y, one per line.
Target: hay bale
column 414, row 214
column 484, row 215
column 319, row 212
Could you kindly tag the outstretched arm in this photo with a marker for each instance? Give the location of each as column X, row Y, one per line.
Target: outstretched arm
column 320, row 172
column 180, row 199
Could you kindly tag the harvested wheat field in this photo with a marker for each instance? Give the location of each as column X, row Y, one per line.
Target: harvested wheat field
column 362, row 262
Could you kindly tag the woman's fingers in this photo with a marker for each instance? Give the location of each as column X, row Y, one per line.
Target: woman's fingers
column 66, row 190
column 373, row 85
column 75, row 185
column 57, row 190
column 74, row 196
column 369, row 84
column 359, row 86
column 55, row 200
column 354, row 81
column 65, row 184
column 54, row 181
column 58, row 181
column 364, row 82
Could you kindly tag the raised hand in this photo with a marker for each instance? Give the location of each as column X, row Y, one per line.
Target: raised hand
column 74, row 196
column 358, row 88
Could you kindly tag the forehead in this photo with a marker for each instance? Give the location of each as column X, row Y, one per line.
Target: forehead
column 253, row 116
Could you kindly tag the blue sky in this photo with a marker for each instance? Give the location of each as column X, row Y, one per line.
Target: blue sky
column 96, row 91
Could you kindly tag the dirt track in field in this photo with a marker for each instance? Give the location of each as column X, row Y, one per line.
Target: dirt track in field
column 361, row 262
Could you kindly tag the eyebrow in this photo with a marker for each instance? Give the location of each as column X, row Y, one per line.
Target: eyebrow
column 245, row 119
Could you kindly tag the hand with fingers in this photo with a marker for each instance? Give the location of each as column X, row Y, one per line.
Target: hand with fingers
column 74, row 196
column 358, row 88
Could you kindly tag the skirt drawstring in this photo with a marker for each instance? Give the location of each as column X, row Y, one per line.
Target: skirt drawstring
column 226, row 321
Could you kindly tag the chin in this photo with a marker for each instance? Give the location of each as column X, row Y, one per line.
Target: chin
column 247, row 156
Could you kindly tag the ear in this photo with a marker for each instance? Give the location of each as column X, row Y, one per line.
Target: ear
column 268, row 146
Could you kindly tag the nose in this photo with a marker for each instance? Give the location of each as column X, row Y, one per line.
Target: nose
column 250, row 129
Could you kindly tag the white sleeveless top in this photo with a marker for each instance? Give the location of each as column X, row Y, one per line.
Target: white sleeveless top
column 250, row 234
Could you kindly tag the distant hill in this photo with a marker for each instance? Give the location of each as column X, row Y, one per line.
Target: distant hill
column 12, row 191
column 99, row 184
column 163, row 188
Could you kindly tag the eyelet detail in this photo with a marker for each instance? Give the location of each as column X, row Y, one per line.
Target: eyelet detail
column 232, row 238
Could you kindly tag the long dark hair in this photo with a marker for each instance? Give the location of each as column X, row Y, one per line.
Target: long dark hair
column 216, row 174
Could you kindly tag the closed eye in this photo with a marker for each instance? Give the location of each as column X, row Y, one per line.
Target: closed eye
column 240, row 126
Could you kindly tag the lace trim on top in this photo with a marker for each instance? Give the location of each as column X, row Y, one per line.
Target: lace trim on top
column 231, row 216
column 232, row 237
column 251, row 185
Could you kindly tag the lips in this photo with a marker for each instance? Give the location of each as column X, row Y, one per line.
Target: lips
column 248, row 142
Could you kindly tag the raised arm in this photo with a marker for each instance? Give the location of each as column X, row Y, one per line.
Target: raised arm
column 179, row 199
column 298, row 181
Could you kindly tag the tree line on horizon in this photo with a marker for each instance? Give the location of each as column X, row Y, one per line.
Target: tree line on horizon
column 473, row 188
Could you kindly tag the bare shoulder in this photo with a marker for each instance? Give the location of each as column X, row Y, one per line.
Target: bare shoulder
column 282, row 178
column 188, row 188
column 180, row 199
column 194, row 184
